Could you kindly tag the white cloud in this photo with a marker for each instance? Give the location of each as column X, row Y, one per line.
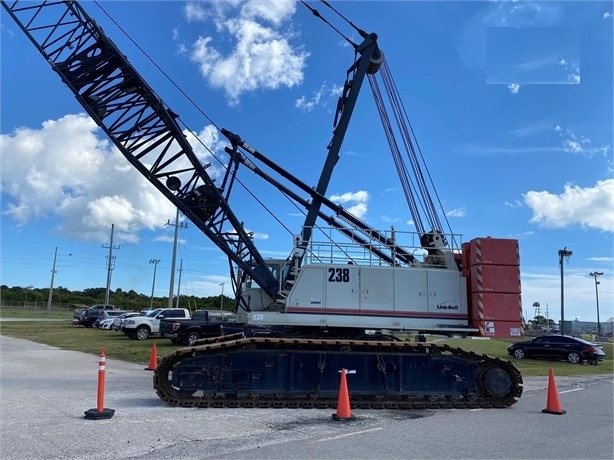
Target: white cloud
column 261, row 56
column 531, row 130
column 458, row 212
column 194, row 11
column 572, row 146
column 572, row 70
column 358, row 202
column 326, row 90
column 514, row 88
column 574, row 78
column 476, row 149
column 607, row 14
column 308, row 104
column 573, row 143
column 588, row 207
column 360, row 196
column 86, row 183
column 536, row 64
column 258, row 235
column 601, row 259
column 391, row 220
column 514, row 204
column 275, row 11
column 541, row 70
column 204, row 142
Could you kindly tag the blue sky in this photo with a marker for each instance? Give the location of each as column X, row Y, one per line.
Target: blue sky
column 511, row 103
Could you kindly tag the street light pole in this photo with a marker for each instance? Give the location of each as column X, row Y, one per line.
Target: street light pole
column 595, row 275
column 222, row 297
column 153, row 284
column 563, row 253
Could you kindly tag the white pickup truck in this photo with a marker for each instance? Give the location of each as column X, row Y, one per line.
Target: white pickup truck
column 141, row 327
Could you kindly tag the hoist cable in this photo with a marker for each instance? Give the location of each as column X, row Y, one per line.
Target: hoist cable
column 359, row 30
column 400, row 165
column 419, row 150
column 158, row 67
column 415, row 186
column 317, row 14
column 411, row 154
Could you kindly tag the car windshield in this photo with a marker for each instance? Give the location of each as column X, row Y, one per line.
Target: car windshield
column 154, row 312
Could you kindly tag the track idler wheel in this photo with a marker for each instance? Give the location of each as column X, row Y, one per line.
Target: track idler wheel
column 494, row 382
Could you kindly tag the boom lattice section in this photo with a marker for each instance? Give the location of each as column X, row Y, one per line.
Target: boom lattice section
column 138, row 122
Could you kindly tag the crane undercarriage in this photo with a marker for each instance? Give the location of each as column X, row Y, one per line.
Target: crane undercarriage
column 257, row 372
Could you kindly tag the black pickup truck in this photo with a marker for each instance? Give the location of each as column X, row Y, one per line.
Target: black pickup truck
column 202, row 324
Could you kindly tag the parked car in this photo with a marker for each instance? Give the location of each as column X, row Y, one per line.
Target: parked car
column 88, row 317
column 82, row 317
column 558, row 347
column 106, row 323
column 119, row 321
column 105, row 316
column 78, row 316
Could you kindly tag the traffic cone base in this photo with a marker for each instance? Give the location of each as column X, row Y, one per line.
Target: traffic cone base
column 153, row 359
column 343, row 402
column 93, row 414
column 343, row 419
column 553, row 404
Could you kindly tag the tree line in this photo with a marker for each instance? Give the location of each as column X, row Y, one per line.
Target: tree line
column 126, row 300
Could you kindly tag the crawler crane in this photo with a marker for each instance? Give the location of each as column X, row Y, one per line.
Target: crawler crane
column 345, row 288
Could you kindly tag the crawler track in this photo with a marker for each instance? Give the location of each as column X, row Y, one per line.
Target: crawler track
column 304, row 373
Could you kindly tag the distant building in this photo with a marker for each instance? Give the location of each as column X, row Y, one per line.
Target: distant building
column 588, row 327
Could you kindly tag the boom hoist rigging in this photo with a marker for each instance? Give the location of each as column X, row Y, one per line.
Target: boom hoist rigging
column 312, row 292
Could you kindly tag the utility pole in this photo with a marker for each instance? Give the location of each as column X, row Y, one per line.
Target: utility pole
column 536, row 305
column 595, row 275
column 222, row 297
column 177, row 227
column 562, row 254
column 153, row 284
column 53, row 270
column 179, row 283
column 109, row 266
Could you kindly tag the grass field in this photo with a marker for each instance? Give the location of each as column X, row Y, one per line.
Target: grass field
column 63, row 335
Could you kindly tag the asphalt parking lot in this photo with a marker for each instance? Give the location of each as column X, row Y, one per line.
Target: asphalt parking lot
column 44, row 392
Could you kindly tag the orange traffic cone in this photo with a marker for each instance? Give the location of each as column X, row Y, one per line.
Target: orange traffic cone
column 343, row 401
column 553, row 405
column 153, row 359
